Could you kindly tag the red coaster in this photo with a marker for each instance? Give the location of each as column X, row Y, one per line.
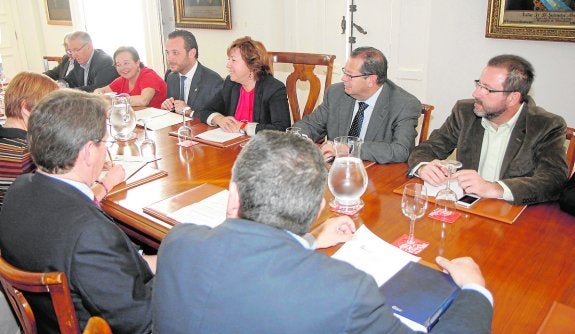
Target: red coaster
column 401, row 243
column 439, row 215
column 188, row 143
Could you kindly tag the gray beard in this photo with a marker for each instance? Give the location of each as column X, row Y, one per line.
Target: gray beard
column 488, row 116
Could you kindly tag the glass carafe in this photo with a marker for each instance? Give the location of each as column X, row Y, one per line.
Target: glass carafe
column 347, row 178
column 122, row 118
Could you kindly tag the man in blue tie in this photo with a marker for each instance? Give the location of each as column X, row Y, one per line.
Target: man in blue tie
column 369, row 106
column 190, row 84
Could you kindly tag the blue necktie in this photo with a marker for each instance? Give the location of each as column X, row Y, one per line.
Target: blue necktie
column 355, row 128
column 182, row 95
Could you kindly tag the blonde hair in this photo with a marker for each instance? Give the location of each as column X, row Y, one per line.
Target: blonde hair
column 26, row 89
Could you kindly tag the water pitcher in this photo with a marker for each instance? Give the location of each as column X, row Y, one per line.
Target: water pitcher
column 347, row 178
column 122, row 118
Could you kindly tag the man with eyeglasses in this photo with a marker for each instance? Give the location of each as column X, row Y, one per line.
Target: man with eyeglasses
column 65, row 66
column 366, row 105
column 50, row 222
column 509, row 147
column 93, row 67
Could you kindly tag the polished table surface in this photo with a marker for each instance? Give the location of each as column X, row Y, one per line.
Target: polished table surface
column 527, row 265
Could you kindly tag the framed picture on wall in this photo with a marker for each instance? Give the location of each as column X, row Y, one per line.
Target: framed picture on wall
column 207, row 14
column 58, row 12
column 548, row 20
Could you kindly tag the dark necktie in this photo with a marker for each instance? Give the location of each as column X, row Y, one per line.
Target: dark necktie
column 182, row 80
column 355, row 128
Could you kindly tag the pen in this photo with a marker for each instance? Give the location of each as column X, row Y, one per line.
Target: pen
column 140, row 168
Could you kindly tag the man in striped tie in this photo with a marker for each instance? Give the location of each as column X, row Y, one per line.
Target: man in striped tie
column 369, row 106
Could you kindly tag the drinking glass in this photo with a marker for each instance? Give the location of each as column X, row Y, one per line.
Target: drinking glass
column 148, row 146
column 413, row 206
column 347, row 178
column 446, row 198
column 184, row 131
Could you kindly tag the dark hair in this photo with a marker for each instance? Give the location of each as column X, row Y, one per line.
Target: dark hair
column 131, row 50
column 61, row 124
column 374, row 62
column 281, row 180
column 520, row 73
column 29, row 88
column 189, row 40
column 254, row 54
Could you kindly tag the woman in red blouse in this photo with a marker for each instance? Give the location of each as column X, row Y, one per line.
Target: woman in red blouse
column 145, row 87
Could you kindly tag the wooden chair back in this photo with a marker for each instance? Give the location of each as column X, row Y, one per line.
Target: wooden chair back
column 303, row 70
column 48, row 59
column 14, row 281
column 426, row 110
column 570, row 149
column 97, row 325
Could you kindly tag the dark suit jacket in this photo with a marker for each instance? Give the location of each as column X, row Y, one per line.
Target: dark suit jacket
column 205, row 84
column 48, row 225
column 567, row 198
column 247, row 277
column 271, row 110
column 102, row 71
column 59, row 72
column 534, row 166
column 391, row 130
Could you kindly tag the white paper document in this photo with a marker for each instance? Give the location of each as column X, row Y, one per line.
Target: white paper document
column 218, row 135
column 158, row 118
column 369, row 253
column 210, row 211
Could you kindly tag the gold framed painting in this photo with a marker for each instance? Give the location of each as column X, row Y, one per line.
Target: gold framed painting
column 547, row 20
column 58, row 12
column 207, row 14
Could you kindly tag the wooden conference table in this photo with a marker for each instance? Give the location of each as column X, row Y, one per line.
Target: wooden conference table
column 527, row 265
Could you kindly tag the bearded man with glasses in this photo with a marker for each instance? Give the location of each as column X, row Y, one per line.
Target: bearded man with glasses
column 93, row 68
column 509, row 147
column 369, row 106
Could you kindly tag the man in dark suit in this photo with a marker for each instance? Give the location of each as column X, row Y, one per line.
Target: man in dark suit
column 256, row 273
column 93, row 67
column 49, row 221
column 387, row 120
column 65, row 66
column 509, row 147
column 190, row 84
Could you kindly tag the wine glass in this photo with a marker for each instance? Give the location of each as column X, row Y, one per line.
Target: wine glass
column 184, row 132
column 446, row 198
column 148, row 146
column 413, row 206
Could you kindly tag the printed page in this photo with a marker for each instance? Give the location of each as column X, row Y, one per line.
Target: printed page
column 218, row 135
column 369, row 253
column 158, row 118
column 210, row 211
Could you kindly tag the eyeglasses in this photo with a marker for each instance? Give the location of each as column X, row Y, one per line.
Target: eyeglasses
column 349, row 76
column 489, row 90
column 70, row 52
